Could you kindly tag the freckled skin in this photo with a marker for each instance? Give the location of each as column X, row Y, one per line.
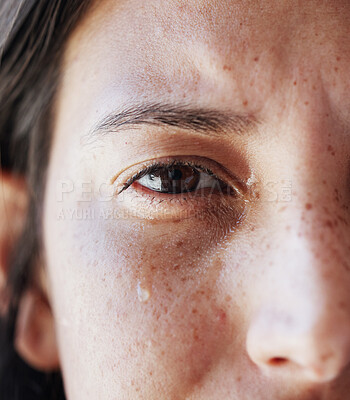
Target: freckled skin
column 249, row 297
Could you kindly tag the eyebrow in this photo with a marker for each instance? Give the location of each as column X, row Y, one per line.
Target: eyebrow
column 202, row 120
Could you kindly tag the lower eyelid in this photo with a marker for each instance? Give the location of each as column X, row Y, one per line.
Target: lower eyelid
column 146, row 204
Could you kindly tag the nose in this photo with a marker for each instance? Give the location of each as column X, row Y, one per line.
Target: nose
column 278, row 342
column 301, row 320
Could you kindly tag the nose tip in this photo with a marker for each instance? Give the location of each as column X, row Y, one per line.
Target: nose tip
column 310, row 353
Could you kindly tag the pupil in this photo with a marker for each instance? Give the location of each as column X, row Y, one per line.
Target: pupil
column 175, row 174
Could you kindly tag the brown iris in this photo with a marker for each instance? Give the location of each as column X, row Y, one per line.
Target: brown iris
column 177, row 179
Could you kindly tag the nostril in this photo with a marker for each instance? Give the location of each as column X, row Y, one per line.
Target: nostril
column 277, row 361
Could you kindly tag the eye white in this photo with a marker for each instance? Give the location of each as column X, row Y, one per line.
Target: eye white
column 151, row 182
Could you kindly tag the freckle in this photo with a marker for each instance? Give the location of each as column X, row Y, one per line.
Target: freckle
column 268, row 246
column 306, row 103
column 245, row 103
column 336, row 69
column 294, row 83
column 314, row 87
column 282, row 209
column 239, row 379
column 151, row 373
column 305, row 80
column 256, row 59
column 227, row 68
column 329, row 223
column 194, row 311
column 308, row 206
column 252, row 228
column 221, row 316
column 326, row 357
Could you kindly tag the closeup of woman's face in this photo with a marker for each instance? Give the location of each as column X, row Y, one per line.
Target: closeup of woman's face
column 196, row 216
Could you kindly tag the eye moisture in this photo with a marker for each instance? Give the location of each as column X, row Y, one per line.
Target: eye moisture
column 143, row 294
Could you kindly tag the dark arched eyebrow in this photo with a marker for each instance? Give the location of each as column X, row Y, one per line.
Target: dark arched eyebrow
column 207, row 121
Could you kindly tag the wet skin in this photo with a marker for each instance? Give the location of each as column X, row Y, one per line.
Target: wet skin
column 209, row 295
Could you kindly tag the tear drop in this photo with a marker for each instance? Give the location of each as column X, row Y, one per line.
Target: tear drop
column 143, row 294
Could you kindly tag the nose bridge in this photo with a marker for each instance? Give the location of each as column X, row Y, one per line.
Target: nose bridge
column 311, row 231
column 310, row 235
column 302, row 315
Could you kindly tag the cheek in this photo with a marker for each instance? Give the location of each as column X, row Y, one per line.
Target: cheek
column 137, row 299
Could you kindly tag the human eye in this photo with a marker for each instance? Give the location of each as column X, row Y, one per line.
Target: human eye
column 179, row 177
column 180, row 188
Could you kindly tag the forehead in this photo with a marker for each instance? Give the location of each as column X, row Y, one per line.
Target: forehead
column 209, row 51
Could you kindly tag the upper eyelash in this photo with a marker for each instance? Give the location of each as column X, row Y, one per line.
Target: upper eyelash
column 157, row 165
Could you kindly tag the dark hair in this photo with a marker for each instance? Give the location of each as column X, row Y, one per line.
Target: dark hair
column 32, row 38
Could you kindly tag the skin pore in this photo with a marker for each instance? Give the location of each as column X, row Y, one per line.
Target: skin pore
column 203, row 296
